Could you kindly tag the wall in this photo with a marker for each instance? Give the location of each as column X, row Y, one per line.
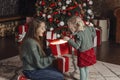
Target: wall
column 105, row 9
column 11, row 8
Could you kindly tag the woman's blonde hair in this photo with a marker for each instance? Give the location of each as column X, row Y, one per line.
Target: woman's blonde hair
column 77, row 22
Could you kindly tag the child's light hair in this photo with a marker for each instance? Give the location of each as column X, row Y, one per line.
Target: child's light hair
column 78, row 23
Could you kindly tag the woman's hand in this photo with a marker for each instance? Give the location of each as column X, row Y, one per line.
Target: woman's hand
column 55, row 57
column 66, row 38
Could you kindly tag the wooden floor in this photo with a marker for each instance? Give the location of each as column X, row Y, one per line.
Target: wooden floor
column 100, row 71
column 109, row 51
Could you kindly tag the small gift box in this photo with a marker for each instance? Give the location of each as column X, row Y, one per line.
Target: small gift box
column 22, row 29
column 50, row 35
column 59, row 47
column 62, row 63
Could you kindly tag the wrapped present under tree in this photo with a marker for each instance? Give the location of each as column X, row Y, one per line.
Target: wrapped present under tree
column 22, row 29
column 62, row 63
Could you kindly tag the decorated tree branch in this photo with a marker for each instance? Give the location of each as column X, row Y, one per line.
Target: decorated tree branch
column 57, row 12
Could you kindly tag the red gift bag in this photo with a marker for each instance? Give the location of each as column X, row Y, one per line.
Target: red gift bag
column 62, row 63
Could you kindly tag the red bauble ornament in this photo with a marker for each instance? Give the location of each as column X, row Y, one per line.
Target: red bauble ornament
column 43, row 3
column 69, row 14
column 64, row 12
column 50, row 20
column 76, row 13
column 57, row 21
column 52, row 5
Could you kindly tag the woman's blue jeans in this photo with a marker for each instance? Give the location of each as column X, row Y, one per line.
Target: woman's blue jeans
column 44, row 74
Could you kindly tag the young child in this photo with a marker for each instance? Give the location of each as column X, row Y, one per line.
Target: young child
column 36, row 64
column 84, row 36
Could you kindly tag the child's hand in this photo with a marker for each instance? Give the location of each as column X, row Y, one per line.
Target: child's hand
column 55, row 57
column 66, row 38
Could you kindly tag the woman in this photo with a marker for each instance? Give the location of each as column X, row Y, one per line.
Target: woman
column 36, row 64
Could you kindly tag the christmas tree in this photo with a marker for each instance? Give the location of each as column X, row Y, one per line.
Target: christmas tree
column 57, row 12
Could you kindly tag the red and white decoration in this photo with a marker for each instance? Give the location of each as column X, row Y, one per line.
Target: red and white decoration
column 22, row 29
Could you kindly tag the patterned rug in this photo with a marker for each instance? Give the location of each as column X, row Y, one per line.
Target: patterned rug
column 10, row 68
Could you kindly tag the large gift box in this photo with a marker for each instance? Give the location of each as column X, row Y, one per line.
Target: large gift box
column 62, row 63
column 59, row 47
column 104, row 24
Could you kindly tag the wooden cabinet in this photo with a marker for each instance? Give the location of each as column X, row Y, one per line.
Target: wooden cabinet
column 117, row 14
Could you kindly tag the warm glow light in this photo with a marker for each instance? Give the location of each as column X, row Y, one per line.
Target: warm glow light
column 59, row 41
